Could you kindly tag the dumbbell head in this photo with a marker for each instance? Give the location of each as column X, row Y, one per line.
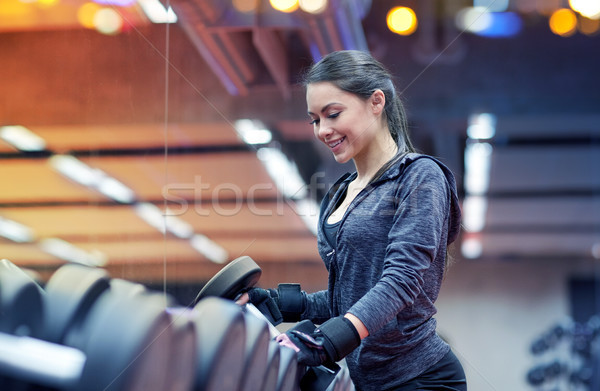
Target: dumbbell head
column 221, row 343
column 182, row 361
column 21, row 306
column 288, row 367
column 273, row 361
column 235, row 278
column 122, row 344
column 126, row 342
column 256, row 354
column 70, row 294
column 283, row 372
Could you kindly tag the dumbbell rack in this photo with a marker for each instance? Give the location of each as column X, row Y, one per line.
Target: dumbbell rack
column 86, row 331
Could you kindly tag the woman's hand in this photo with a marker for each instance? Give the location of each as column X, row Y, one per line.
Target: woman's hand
column 243, row 299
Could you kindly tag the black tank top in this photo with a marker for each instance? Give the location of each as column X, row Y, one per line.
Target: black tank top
column 331, row 230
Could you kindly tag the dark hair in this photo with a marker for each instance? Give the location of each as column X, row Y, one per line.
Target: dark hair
column 357, row 72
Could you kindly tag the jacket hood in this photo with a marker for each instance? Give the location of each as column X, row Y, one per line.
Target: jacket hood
column 397, row 168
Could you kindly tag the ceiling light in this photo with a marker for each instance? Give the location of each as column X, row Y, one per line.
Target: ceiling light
column 471, row 248
column 308, row 210
column 14, row 231
column 114, row 189
column 284, row 5
column 482, row 126
column 22, row 138
column 474, row 211
column 588, row 8
column 152, row 215
column 253, row 131
column 209, row 249
column 402, row 20
column 94, row 178
column 477, row 168
column 156, row 12
column 76, row 170
column 283, row 172
column 65, row 250
column 313, row 6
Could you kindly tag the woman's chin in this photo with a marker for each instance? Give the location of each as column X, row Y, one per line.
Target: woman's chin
column 341, row 158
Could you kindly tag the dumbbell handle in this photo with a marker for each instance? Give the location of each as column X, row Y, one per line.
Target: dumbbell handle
column 251, row 308
column 36, row 360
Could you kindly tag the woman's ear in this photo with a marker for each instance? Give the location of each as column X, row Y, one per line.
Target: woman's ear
column 377, row 101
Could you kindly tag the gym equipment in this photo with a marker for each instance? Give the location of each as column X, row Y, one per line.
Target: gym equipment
column 182, row 355
column 237, row 277
column 109, row 343
column 273, row 363
column 103, row 333
column 122, row 350
column 70, row 293
column 126, row 343
column 21, row 306
column 288, row 368
column 221, row 344
column 257, row 350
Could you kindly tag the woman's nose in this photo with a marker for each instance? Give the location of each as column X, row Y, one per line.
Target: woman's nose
column 324, row 132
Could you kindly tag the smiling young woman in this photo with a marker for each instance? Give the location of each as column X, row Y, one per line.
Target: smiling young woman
column 383, row 235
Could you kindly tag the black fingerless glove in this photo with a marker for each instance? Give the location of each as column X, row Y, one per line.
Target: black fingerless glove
column 284, row 304
column 329, row 343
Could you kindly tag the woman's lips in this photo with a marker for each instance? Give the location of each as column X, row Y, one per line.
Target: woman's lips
column 335, row 144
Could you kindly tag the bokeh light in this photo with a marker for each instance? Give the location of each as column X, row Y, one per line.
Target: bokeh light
column 284, row 5
column 563, row 22
column 108, row 21
column 313, row 6
column 492, row 5
column 86, row 13
column 402, row 20
column 503, row 24
column 588, row 26
column 588, row 8
column 47, row 3
column 473, row 19
column 13, row 9
column 246, row 6
column 121, row 3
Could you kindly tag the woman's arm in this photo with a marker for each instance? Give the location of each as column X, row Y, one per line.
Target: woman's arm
column 358, row 325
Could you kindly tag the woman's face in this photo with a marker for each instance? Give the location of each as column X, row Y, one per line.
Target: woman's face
column 345, row 123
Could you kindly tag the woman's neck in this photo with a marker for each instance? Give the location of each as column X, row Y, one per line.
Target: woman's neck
column 380, row 151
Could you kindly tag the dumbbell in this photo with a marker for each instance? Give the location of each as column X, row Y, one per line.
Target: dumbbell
column 212, row 359
column 20, row 301
column 281, row 366
column 208, row 361
column 205, row 345
column 113, row 344
column 239, row 276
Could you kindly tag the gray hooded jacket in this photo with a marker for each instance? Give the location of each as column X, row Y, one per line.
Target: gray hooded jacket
column 386, row 268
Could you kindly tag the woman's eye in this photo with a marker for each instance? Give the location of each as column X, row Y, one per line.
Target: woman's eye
column 314, row 122
column 333, row 115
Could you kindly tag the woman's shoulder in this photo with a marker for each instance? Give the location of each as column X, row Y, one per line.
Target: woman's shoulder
column 417, row 164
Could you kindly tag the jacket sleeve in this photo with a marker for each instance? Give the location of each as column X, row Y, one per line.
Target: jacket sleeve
column 317, row 307
column 418, row 226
